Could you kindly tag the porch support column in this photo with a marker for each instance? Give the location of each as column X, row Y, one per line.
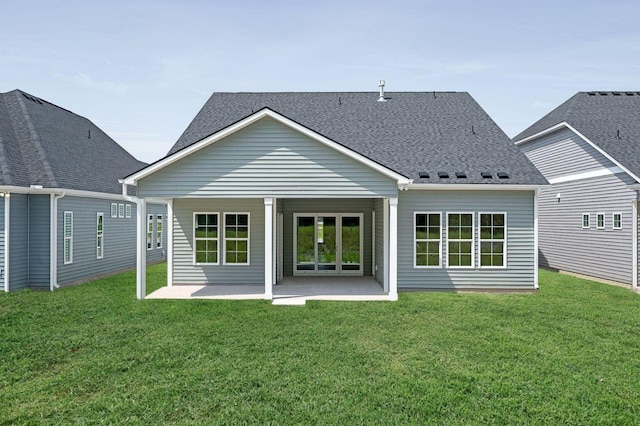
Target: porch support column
column 141, row 251
column 393, row 248
column 268, row 248
column 169, row 226
column 634, row 239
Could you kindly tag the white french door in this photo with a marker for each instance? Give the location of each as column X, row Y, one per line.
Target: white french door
column 327, row 243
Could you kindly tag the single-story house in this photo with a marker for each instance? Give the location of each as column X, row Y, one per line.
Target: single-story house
column 420, row 190
column 589, row 150
column 63, row 216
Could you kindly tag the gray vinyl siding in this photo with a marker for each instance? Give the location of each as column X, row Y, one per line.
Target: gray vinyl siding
column 563, row 153
column 39, row 241
column 378, row 207
column 119, row 239
column 19, row 242
column 185, row 272
column 2, row 246
column 326, row 206
column 565, row 245
column 267, row 159
column 519, row 273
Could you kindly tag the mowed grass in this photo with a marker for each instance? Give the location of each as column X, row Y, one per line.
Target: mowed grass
column 569, row 354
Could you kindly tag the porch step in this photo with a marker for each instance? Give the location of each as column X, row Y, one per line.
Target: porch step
column 289, row 301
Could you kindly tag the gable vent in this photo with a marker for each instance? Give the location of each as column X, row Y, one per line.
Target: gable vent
column 486, row 175
column 503, row 175
column 443, row 175
column 424, row 175
column 461, row 175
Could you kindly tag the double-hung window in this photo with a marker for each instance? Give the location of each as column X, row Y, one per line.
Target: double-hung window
column 68, row 237
column 585, row 221
column 127, row 210
column 114, row 210
column 205, row 234
column 617, row 221
column 236, row 238
column 460, row 240
column 600, row 221
column 427, row 244
column 493, row 237
column 159, row 231
column 121, row 210
column 100, row 236
column 149, row 231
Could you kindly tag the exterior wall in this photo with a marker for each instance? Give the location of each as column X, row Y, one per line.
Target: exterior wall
column 267, row 159
column 378, row 207
column 564, row 153
column 39, row 242
column 519, row 273
column 119, row 239
column 19, row 242
column 565, row 245
column 364, row 206
column 184, row 269
column 2, row 245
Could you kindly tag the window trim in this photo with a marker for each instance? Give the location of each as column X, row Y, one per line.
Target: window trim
column 588, row 216
column 504, row 241
column 217, row 239
column 114, row 210
column 150, row 232
column 415, row 241
column 604, row 223
column 65, row 238
column 613, row 220
column 127, row 211
column 99, row 236
column 224, row 239
column 473, row 240
column 159, row 221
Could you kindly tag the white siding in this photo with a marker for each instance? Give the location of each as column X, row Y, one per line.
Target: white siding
column 267, row 159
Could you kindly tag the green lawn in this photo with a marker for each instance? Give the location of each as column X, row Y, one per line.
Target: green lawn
column 569, row 354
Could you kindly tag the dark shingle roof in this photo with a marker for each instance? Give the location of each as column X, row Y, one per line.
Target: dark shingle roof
column 411, row 133
column 599, row 116
column 43, row 144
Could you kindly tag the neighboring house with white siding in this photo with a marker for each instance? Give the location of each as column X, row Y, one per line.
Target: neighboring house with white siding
column 418, row 190
column 589, row 150
column 63, row 218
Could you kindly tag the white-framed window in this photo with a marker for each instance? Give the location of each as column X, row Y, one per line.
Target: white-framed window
column 114, row 209
column 68, row 238
column 493, row 240
column 427, row 236
column 127, row 211
column 617, row 221
column 149, row 231
column 121, row 210
column 100, row 235
column 236, row 238
column 600, row 221
column 586, row 220
column 206, row 231
column 460, row 241
column 159, row 231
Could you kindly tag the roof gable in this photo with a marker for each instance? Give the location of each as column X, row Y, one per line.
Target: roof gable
column 411, row 133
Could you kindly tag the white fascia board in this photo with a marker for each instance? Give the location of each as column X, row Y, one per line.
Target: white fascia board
column 132, row 179
column 587, row 175
column 583, row 137
column 68, row 192
column 474, row 187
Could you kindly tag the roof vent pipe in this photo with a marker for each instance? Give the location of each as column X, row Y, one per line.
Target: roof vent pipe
column 381, row 86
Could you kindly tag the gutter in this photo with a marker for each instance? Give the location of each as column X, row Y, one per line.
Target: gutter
column 53, row 240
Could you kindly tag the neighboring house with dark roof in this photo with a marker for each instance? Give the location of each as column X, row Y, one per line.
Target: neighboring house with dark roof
column 589, row 150
column 416, row 190
column 63, row 218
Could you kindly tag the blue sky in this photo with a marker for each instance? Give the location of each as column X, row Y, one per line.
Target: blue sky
column 142, row 69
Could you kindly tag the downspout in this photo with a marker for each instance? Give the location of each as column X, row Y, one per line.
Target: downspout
column 53, row 240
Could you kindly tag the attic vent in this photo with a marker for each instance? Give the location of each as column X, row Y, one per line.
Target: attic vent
column 32, row 99
column 443, row 175
column 629, row 93
column 461, row 175
column 616, row 93
column 424, row 175
column 486, row 175
column 592, row 94
column 381, row 98
column 603, row 93
column 503, row 175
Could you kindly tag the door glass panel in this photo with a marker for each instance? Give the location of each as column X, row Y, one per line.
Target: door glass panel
column 350, row 243
column 305, row 244
column 326, row 243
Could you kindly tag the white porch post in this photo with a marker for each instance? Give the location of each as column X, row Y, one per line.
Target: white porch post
column 385, row 247
column 169, row 226
column 535, row 239
column 634, row 249
column 393, row 248
column 141, row 252
column 268, row 248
